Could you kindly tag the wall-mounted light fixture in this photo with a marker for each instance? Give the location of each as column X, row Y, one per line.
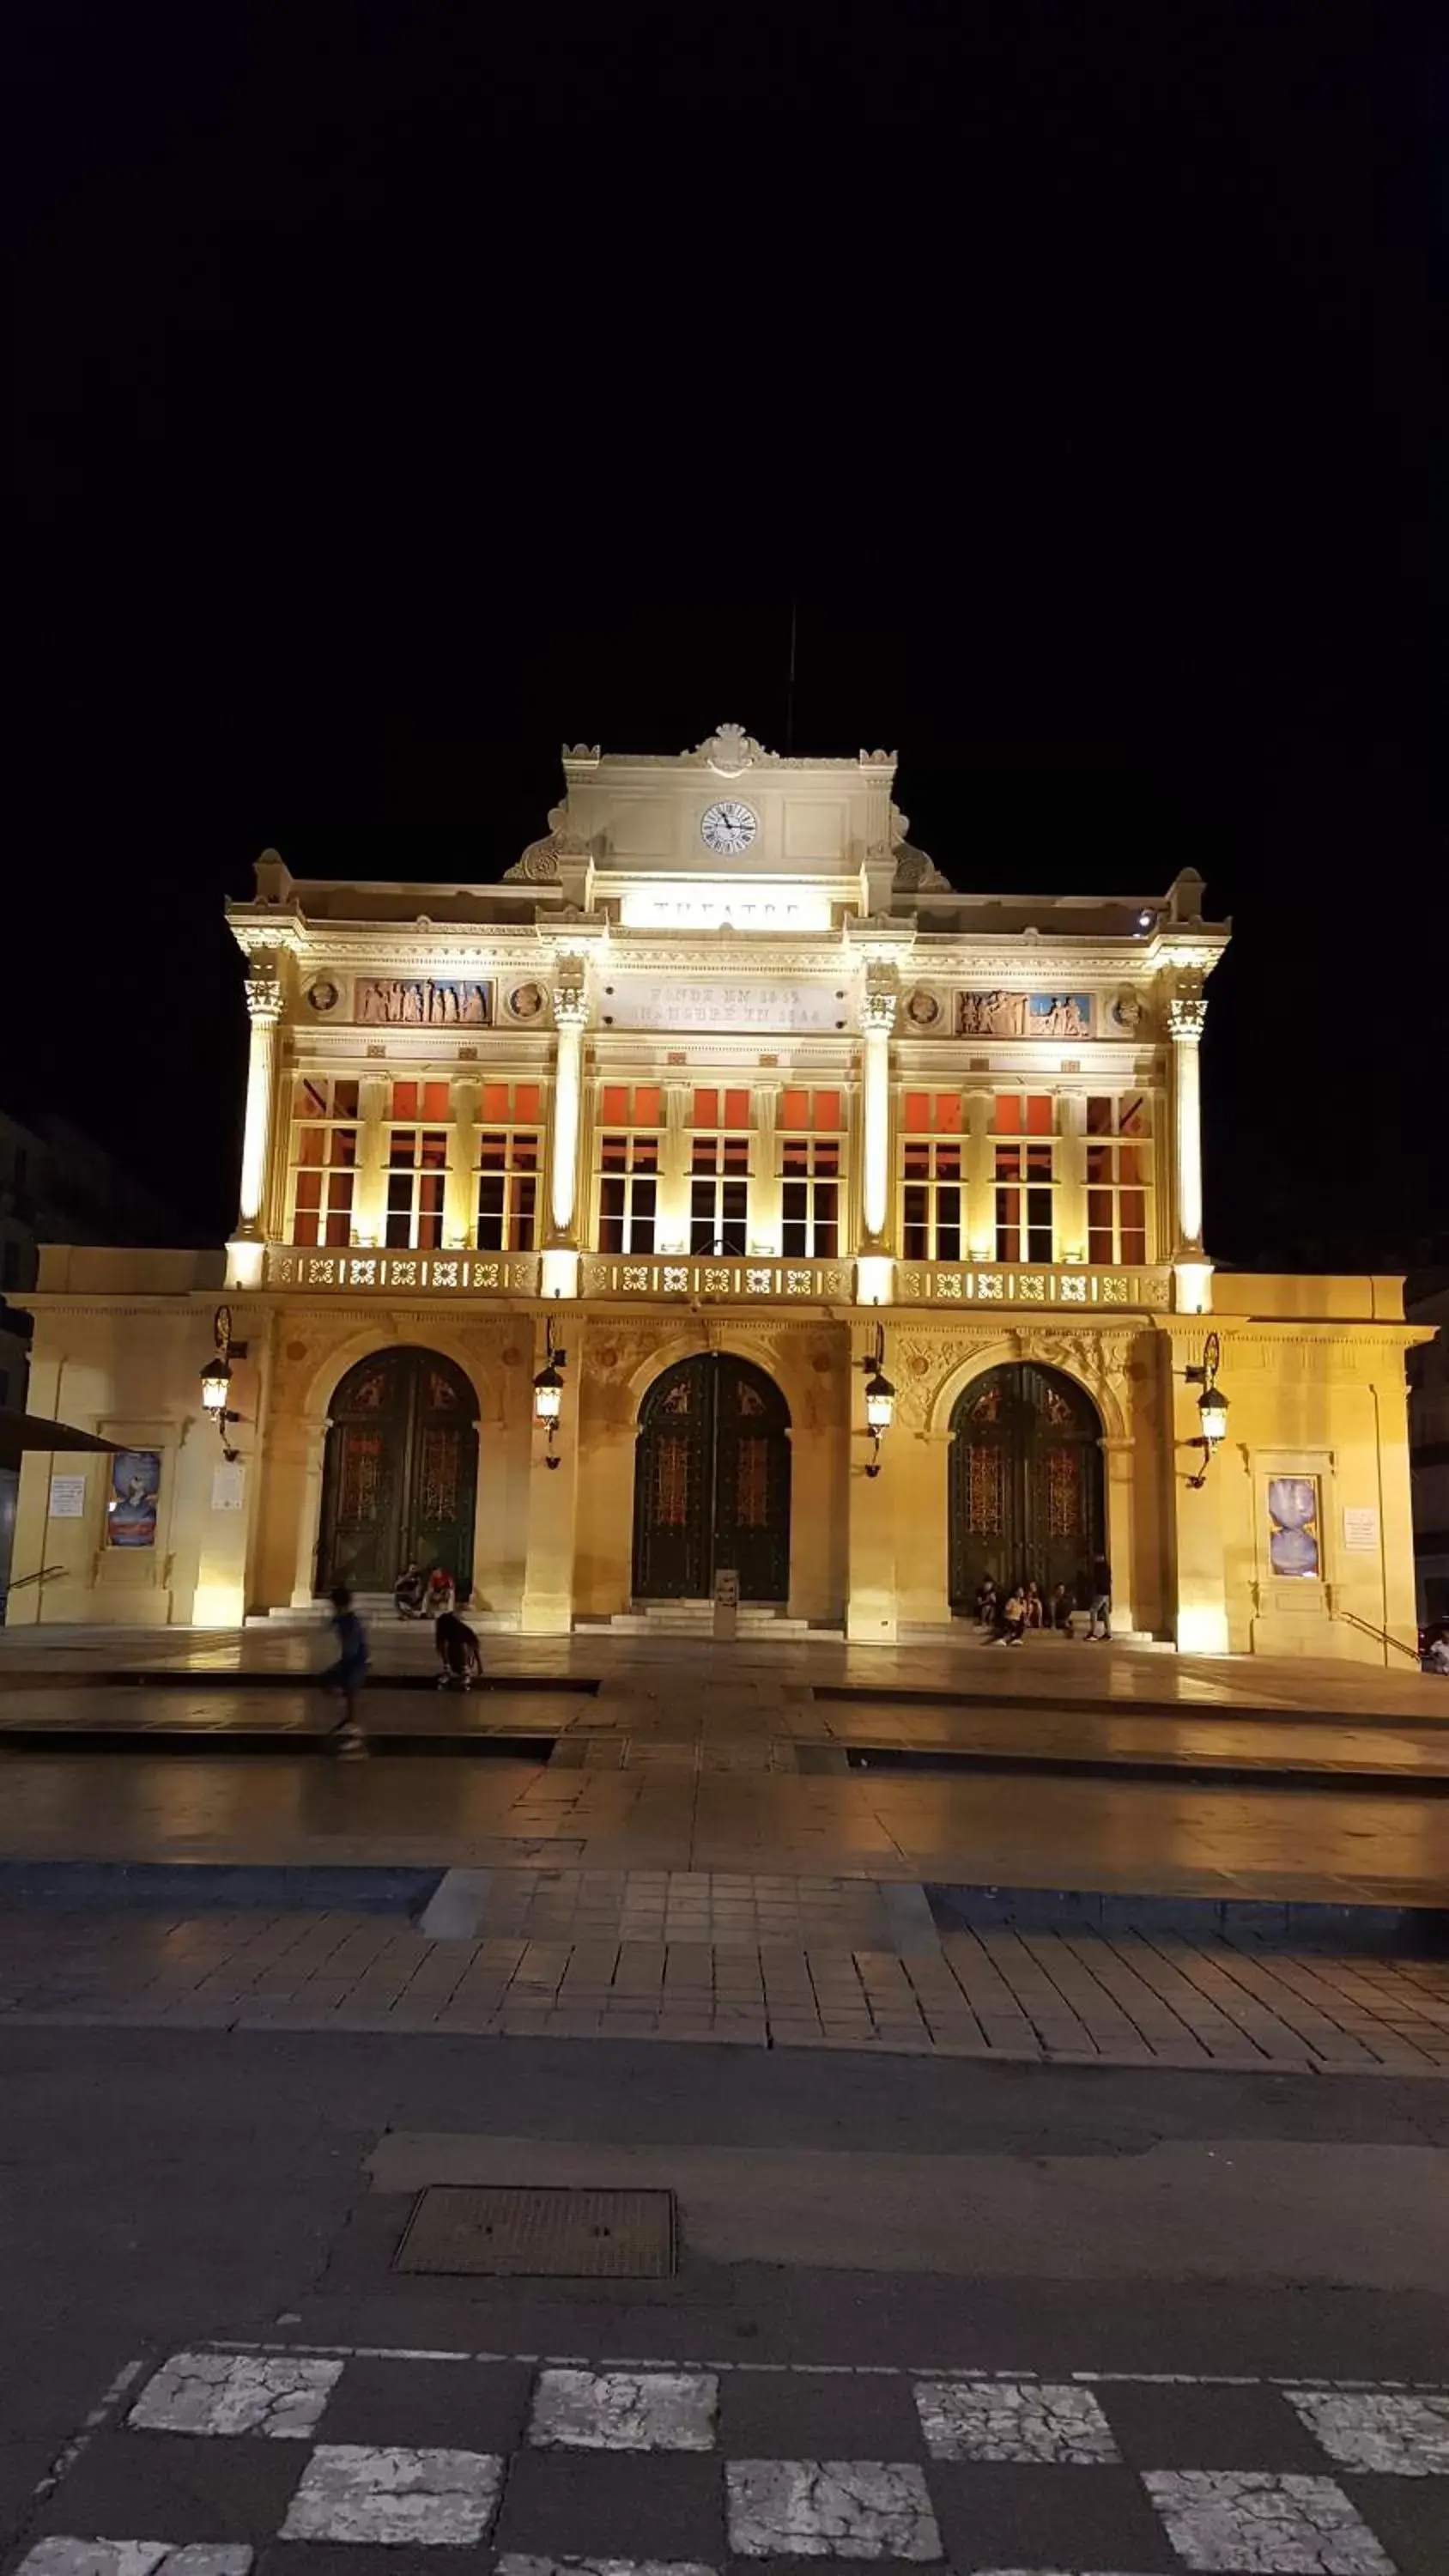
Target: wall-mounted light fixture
column 548, row 1389
column 216, row 1379
column 880, row 1399
column 1212, row 1406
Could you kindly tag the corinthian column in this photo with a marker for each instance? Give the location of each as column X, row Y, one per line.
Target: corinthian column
column 1186, row 1013
column 571, row 1012
column 264, row 1009
column 877, row 1019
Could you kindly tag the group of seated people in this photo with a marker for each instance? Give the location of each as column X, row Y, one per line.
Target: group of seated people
column 1009, row 1617
column 424, row 1596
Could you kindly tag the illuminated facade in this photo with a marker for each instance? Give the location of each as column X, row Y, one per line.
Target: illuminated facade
column 724, row 1093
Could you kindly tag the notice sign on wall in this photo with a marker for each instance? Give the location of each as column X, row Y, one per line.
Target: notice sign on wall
column 228, row 1486
column 67, row 1497
column 1361, row 1530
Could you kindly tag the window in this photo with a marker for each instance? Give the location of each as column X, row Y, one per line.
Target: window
column 325, row 1156
column 719, row 1172
column 1119, row 1177
column 629, row 1140
column 1022, row 1151
column 933, row 1196
column 510, row 1157
column 810, row 1167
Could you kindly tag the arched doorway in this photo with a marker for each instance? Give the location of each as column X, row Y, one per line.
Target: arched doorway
column 712, row 1482
column 400, row 1471
column 1025, row 1482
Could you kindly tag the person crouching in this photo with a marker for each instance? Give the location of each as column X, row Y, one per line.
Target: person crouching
column 458, row 1652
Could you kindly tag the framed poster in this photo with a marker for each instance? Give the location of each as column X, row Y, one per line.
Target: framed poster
column 131, row 1505
column 1294, row 1549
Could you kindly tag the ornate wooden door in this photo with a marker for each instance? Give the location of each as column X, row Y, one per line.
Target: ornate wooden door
column 712, row 1482
column 401, row 1470
column 1025, row 1483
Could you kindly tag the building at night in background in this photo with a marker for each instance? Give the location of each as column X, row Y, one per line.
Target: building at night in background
column 720, row 1193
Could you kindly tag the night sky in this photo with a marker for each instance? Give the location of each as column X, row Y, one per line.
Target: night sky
column 399, row 392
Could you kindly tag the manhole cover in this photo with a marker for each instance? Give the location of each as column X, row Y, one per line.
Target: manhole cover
column 599, row 2235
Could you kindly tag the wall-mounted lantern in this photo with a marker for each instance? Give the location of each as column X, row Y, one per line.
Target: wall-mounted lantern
column 1212, row 1406
column 880, row 1399
column 548, row 1389
column 216, row 1379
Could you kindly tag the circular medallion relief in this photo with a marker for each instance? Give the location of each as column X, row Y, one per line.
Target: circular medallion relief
column 923, row 1008
column 324, row 995
column 526, row 1003
column 1125, row 1013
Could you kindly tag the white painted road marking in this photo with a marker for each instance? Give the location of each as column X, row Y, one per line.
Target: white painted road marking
column 214, row 2392
column 829, row 2509
column 431, row 2499
column 611, row 2410
column 1248, row 2523
column 1405, row 2437
column 989, row 2419
column 60, row 2557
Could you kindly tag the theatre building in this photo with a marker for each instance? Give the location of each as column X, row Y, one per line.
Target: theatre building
column 852, row 1224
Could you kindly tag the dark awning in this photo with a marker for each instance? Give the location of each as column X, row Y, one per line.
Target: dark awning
column 22, row 1431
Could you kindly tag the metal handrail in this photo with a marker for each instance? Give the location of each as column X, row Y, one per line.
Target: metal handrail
column 43, row 1576
column 1351, row 1619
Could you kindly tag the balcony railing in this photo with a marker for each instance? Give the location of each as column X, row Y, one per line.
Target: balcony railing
column 949, row 1283
column 473, row 1274
column 693, row 1276
column 701, row 1278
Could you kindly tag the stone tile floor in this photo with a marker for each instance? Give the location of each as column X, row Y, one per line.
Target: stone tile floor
column 766, row 1961
column 634, row 2469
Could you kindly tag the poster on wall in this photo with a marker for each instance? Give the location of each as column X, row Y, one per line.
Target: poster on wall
column 1293, row 1526
column 228, row 1486
column 131, row 1509
column 67, row 1498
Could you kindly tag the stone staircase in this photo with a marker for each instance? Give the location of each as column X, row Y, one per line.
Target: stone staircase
column 696, row 1619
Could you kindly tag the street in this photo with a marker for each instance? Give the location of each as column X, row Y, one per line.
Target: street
column 1134, row 2261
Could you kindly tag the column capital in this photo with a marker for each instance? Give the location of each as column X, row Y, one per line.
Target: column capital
column 1186, row 1017
column 264, row 989
column 881, row 998
column 570, row 992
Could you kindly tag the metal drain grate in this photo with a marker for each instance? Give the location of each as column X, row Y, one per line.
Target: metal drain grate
column 505, row 2229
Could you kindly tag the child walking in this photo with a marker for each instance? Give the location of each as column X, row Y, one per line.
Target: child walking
column 348, row 1674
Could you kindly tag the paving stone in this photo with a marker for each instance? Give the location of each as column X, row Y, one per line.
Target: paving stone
column 829, row 2509
column 1406, row 2437
column 212, row 2393
column 1003, row 2419
column 432, row 2498
column 1246, row 2522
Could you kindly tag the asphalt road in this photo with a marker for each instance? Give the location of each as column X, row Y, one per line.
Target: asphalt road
column 162, row 2191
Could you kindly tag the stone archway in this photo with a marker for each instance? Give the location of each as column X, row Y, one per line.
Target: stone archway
column 1025, row 1482
column 712, row 1482
column 400, row 1471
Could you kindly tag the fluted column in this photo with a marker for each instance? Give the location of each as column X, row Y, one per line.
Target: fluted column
column 264, row 1010
column 877, row 1019
column 571, row 1012
column 1186, row 1013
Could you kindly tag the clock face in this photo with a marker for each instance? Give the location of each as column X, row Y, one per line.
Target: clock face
column 728, row 827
